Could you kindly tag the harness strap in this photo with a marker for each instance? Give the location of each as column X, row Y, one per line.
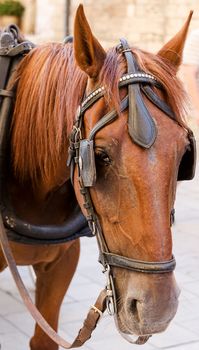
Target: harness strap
column 6, row 93
column 126, row 79
column 156, row 100
column 73, row 227
column 4, row 69
column 139, row 265
column 90, row 322
column 108, row 118
column 21, row 48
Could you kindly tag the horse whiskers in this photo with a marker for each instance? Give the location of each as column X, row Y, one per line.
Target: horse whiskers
column 121, row 176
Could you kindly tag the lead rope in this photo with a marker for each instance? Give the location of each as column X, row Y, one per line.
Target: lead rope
column 90, row 323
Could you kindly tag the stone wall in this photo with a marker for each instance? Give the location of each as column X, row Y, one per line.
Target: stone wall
column 46, row 19
column 29, row 17
column 145, row 23
column 50, row 19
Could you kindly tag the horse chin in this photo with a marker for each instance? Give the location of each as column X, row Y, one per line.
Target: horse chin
column 132, row 326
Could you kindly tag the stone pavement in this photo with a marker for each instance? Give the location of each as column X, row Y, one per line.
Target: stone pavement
column 16, row 325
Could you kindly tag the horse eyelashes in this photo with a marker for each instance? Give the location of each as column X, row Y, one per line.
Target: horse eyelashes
column 103, row 157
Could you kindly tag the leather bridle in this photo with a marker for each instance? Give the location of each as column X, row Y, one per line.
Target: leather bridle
column 81, row 153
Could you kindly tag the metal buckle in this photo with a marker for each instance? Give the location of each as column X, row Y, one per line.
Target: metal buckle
column 126, row 50
column 77, row 133
column 110, row 305
column 96, row 310
column 93, row 227
column 78, row 113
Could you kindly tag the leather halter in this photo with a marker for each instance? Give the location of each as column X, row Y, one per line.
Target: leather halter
column 81, row 152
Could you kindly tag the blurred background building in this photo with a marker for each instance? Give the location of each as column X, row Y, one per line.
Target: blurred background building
column 145, row 23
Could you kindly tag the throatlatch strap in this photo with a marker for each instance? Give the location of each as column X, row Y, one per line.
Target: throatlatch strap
column 90, row 322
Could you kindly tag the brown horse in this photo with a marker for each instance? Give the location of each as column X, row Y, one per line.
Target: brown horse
column 135, row 188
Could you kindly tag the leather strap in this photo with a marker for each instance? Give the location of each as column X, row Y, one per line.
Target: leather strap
column 108, row 118
column 73, row 227
column 6, row 93
column 156, row 100
column 90, row 322
column 138, row 265
column 4, row 69
column 24, row 47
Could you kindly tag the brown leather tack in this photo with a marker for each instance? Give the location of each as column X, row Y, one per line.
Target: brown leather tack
column 90, row 321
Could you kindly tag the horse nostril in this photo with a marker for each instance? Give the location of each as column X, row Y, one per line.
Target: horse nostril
column 133, row 306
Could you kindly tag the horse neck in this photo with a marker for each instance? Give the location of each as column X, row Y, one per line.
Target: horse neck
column 50, row 87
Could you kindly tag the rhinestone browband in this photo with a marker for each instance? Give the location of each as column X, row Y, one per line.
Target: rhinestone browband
column 124, row 80
column 92, row 94
column 137, row 75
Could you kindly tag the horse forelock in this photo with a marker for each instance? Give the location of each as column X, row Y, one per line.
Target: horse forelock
column 50, row 88
column 115, row 65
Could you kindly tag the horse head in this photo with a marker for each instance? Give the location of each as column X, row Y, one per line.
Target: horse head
column 132, row 142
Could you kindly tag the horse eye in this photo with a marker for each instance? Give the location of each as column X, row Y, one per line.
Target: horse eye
column 102, row 156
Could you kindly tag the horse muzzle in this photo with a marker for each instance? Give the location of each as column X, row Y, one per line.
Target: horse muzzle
column 148, row 304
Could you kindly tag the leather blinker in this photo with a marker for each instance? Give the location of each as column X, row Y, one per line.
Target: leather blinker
column 87, row 162
column 187, row 166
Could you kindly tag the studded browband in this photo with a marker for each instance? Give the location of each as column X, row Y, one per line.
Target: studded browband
column 133, row 78
column 124, row 80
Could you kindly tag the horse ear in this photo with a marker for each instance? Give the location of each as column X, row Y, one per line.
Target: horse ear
column 89, row 54
column 173, row 50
